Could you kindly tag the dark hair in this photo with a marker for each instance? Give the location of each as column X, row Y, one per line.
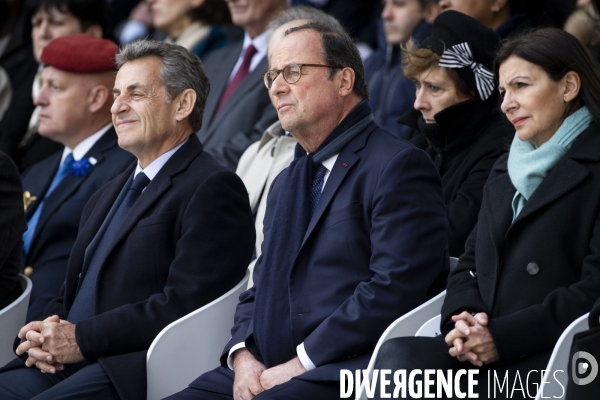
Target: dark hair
column 180, row 70
column 212, row 12
column 339, row 49
column 558, row 52
column 88, row 12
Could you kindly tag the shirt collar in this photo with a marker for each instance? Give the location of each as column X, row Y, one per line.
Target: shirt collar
column 330, row 162
column 156, row 165
column 85, row 145
column 260, row 43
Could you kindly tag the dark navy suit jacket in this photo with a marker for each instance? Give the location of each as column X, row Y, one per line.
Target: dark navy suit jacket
column 57, row 227
column 375, row 249
column 187, row 240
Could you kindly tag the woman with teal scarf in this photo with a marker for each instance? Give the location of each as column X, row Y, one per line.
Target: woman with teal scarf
column 532, row 263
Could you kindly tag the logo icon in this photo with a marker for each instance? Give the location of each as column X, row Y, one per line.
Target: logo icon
column 580, row 367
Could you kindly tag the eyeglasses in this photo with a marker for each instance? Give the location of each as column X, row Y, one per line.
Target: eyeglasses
column 291, row 73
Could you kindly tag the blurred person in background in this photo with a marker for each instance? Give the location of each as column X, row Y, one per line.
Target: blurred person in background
column 456, row 113
column 10, row 40
column 47, row 20
column 391, row 93
column 238, row 109
column 509, row 16
column 584, row 24
column 193, row 24
column 358, row 17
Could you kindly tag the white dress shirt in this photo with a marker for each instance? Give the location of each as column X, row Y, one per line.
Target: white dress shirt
column 302, row 355
column 152, row 169
column 260, row 44
column 86, row 144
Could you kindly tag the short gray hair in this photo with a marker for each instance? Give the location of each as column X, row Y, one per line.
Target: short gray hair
column 307, row 13
column 180, row 70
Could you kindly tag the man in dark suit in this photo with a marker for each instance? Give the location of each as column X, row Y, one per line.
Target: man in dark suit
column 39, row 22
column 78, row 117
column 355, row 234
column 169, row 235
column 238, row 109
column 12, row 225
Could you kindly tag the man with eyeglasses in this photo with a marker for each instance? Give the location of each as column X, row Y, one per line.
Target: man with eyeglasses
column 355, row 234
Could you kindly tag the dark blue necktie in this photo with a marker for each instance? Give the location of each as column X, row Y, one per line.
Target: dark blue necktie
column 316, row 188
column 33, row 221
column 84, row 305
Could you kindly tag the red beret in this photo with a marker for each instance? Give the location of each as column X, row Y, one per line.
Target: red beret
column 80, row 53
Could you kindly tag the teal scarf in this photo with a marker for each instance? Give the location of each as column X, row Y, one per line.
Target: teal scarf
column 528, row 165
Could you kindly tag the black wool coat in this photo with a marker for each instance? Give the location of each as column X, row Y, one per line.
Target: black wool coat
column 535, row 275
column 12, row 226
column 473, row 135
column 187, row 240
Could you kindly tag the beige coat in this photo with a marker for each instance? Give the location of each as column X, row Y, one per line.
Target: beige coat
column 259, row 166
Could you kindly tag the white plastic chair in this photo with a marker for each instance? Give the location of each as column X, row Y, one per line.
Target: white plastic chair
column 191, row 346
column 407, row 325
column 12, row 318
column 559, row 360
column 430, row 328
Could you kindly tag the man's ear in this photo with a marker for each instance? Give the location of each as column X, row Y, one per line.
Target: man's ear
column 97, row 97
column 572, row 86
column 346, row 81
column 95, row 31
column 185, row 104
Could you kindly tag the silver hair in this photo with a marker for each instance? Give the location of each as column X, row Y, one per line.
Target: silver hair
column 307, row 13
column 180, row 70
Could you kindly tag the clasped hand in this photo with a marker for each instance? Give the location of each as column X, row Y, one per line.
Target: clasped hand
column 252, row 377
column 50, row 344
column 471, row 340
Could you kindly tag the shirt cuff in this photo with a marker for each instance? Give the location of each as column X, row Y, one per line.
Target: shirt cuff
column 231, row 351
column 304, row 359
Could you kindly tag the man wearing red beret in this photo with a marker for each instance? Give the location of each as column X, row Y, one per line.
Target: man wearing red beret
column 170, row 234
column 74, row 100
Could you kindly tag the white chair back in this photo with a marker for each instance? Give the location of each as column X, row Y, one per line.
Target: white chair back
column 12, row 319
column 192, row 345
column 559, row 360
column 406, row 325
column 430, row 328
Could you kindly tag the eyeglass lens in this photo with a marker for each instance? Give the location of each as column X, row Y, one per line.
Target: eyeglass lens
column 291, row 74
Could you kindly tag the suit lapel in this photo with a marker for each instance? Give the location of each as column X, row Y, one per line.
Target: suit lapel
column 45, row 182
column 98, row 221
column 218, row 83
column 344, row 163
column 157, row 187
column 249, row 82
column 70, row 183
column 566, row 175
